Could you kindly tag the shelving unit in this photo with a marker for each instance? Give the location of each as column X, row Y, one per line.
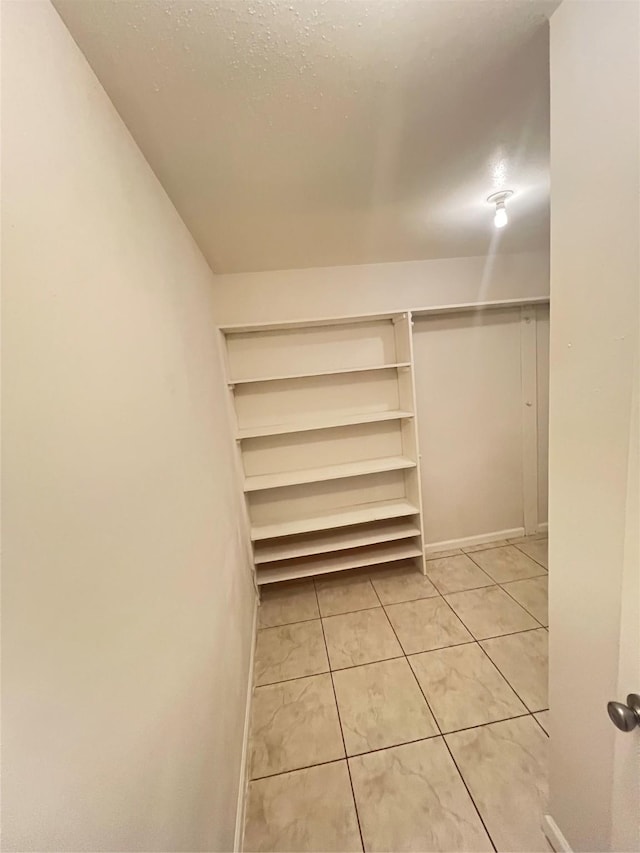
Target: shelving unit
column 329, row 453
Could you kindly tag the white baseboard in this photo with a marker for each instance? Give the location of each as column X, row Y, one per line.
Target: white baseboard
column 554, row 836
column 244, row 760
column 543, row 527
column 468, row 541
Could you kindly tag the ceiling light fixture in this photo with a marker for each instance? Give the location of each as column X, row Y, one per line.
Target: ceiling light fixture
column 499, row 199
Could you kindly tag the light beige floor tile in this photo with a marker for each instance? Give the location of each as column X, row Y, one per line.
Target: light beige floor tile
column 532, row 594
column 452, row 574
column 426, row 624
column 537, row 549
column 362, row 637
column 507, row 564
column 446, row 552
column 381, row 705
column 402, row 584
column 464, row 688
column 283, row 603
column 411, row 797
column 522, row 659
column 543, row 718
column 504, row 766
column 294, row 724
column 290, row 651
column 307, row 810
column 490, row 612
column 345, row 594
column 485, row 546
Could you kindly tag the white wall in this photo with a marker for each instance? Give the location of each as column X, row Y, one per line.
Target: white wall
column 468, row 371
column 595, row 274
column 127, row 601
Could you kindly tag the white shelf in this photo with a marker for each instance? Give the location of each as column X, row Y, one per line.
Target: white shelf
column 327, row 472
column 341, row 540
column 285, row 377
column 345, row 517
column 321, row 565
column 322, row 423
column 309, row 323
column 452, row 308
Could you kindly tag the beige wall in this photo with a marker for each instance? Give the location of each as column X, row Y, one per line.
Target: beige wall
column 127, row 601
column 595, row 274
column 468, row 372
column 366, row 288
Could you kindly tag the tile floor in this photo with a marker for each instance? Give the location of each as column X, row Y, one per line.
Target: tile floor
column 394, row 711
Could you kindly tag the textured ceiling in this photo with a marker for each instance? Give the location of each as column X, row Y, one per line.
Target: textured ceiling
column 298, row 134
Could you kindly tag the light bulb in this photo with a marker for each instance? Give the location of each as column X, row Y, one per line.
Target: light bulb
column 501, row 218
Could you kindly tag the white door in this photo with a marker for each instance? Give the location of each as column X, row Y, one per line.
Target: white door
column 594, row 521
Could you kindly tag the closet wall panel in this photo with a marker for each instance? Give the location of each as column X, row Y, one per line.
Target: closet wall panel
column 469, row 404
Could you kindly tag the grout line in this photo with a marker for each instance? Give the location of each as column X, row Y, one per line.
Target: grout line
column 533, row 714
column 526, row 713
column 369, row 662
column 357, row 610
column 542, row 573
column 475, row 805
column 289, row 680
column 489, row 547
column 505, row 677
column 468, row 589
column 346, row 613
column 511, row 633
column 529, row 555
column 436, row 555
column 344, row 745
column 287, row 624
column 519, row 602
column 410, row 600
column 296, row 769
column 502, row 675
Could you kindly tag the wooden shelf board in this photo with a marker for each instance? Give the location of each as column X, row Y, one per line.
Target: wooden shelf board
column 338, row 371
column 243, row 328
column 341, row 540
column 337, row 563
column 262, row 482
column 321, row 423
column 359, row 514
